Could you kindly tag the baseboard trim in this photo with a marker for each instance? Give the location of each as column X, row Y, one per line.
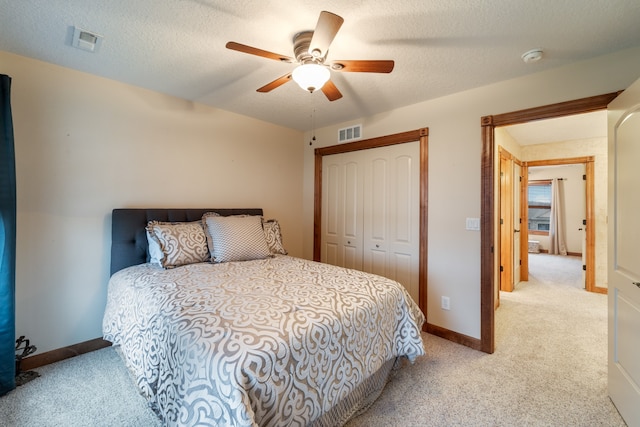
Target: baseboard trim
column 59, row 354
column 546, row 251
column 456, row 337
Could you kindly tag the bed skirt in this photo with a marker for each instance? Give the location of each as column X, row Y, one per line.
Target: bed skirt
column 360, row 399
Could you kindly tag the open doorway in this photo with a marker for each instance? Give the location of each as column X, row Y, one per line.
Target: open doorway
column 567, row 154
column 556, row 247
column 488, row 194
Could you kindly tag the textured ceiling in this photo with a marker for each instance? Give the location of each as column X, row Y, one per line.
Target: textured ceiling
column 440, row 47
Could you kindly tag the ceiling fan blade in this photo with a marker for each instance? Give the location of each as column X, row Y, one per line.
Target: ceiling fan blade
column 258, row 52
column 331, row 91
column 276, row 83
column 326, row 30
column 374, row 66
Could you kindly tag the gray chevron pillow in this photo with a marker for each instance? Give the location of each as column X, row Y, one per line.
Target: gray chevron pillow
column 237, row 238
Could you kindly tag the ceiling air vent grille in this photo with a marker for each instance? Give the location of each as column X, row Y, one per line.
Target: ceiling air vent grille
column 350, row 133
column 85, row 40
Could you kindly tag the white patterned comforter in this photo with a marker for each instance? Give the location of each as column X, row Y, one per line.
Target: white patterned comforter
column 278, row 341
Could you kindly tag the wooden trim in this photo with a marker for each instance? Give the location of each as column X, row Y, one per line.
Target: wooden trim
column 421, row 135
column 317, row 206
column 381, row 141
column 558, row 162
column 568, row 108
column 488, row 124
column 524, row 227
column 424, row 204
column 537, row 232
column 63, row 353
column 487, row 245
column 590, row 250
column 456, row 337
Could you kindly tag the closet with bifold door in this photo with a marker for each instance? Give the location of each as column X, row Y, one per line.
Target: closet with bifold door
column 371, row 210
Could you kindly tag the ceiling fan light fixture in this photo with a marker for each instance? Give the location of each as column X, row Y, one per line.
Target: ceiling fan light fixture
column 311, row 77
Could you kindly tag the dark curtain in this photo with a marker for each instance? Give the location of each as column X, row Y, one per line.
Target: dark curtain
column 7, row 241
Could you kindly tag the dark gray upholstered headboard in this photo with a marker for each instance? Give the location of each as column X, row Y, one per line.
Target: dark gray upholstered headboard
column 128, row 236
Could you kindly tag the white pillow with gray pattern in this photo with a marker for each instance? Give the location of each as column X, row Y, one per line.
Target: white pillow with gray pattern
column 236, row 238
column 172, row 244
column 274, row 236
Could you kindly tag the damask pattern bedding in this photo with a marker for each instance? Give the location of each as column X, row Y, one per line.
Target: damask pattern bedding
column 270, row 342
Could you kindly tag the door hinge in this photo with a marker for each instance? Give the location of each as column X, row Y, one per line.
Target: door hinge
column 584, row 177
column 584, row 267
column 584, row 222
column 501, row 269
column 501, row 221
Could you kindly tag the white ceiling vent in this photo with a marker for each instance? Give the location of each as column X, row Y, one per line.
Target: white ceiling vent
column 85, row 40
column 350, row 133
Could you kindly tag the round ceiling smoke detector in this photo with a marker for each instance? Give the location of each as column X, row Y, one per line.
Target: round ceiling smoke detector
column 533, row 55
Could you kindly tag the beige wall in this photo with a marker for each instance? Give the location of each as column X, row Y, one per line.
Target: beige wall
column 85, row 145
column 454, row 168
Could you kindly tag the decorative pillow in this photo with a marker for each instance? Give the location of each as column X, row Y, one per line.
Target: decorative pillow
column 274, row 236
column 206, row 230
column 155, row 252
column 237, row 238
column 179, row 243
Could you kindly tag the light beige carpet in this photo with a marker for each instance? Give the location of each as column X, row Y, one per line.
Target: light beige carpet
column 549, row 369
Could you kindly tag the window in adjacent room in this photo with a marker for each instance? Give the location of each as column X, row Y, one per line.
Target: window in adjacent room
column 539, row 205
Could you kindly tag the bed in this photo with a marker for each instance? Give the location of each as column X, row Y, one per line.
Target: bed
column 268, row 340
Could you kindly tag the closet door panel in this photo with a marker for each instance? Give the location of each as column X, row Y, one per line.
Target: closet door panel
column 403, row 200
column 352, row 208
column 331, row 253
column 377, row 208
column 401, row 266
column 331, row 216
column 342, row 211
column 404, row 228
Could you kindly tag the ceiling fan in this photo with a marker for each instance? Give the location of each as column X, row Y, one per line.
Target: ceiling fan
column 310, row 49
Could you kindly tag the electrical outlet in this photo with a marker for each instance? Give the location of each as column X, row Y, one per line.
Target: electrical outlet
column 445, row 303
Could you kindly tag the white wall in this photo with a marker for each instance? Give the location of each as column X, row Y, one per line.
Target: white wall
column 454, row 168
column 85, row 145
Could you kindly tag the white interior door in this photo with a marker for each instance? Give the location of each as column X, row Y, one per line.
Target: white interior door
column 392, row 208
column 342, row 206
column 517, row 222
column 624, row 254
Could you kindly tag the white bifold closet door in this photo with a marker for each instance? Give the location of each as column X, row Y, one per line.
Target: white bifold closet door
column 371, row 210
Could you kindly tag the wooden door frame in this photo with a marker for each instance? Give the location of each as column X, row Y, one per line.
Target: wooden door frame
column 505, row 206
column 487, row 215
column 421, row 135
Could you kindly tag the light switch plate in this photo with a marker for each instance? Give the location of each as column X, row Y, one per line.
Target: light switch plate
column 473, row 224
